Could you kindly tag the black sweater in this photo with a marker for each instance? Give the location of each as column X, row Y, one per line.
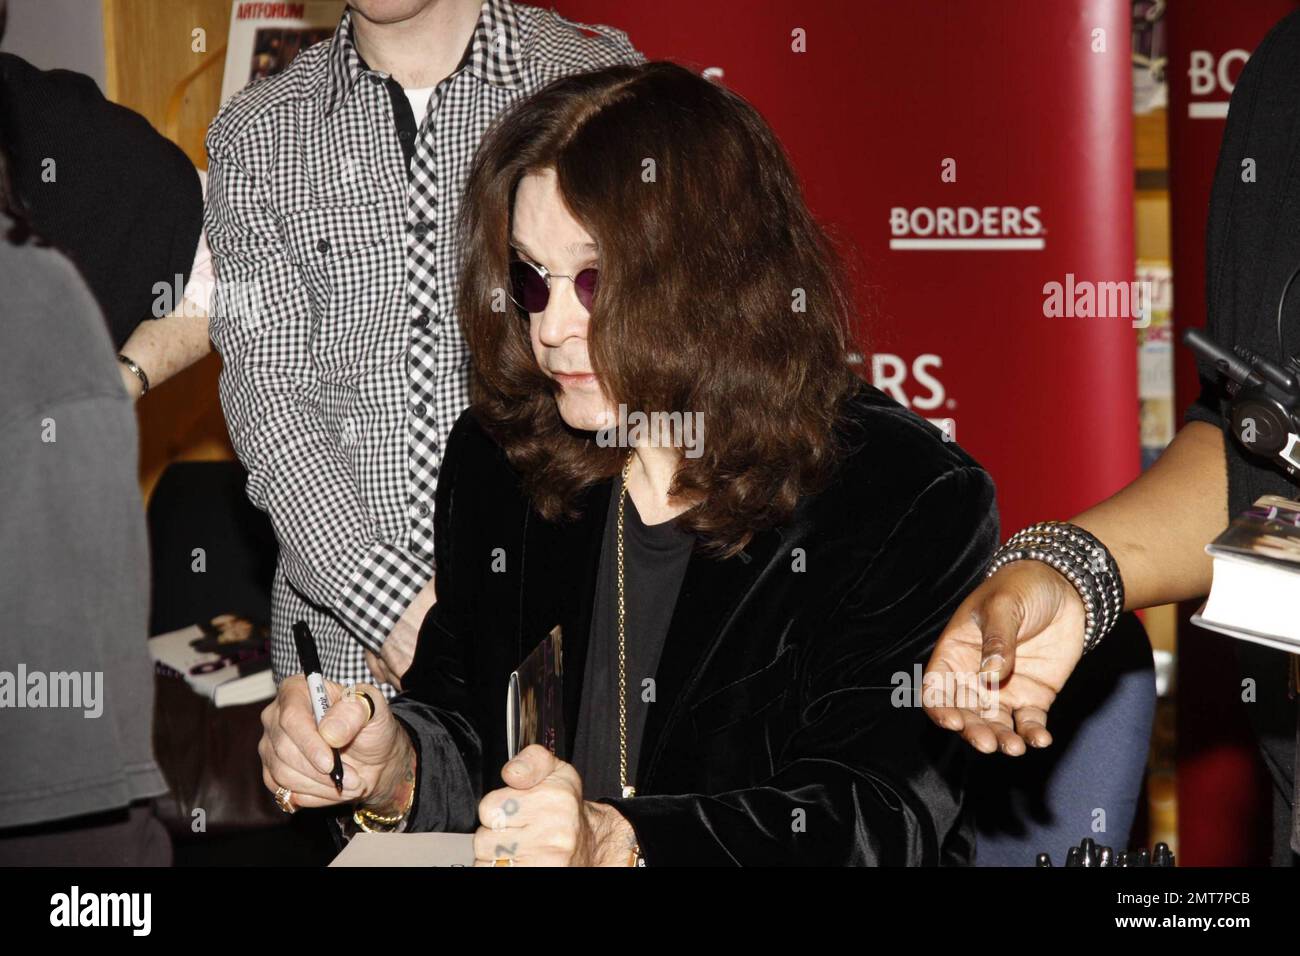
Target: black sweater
column 98, row 182
column 1252, row 244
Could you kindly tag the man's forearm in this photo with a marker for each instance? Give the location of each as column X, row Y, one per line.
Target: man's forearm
column 164, row 347
column 1157, row 527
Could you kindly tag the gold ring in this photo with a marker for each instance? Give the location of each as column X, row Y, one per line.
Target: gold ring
column 504, row 861
column 364, row 696
column 284, row 800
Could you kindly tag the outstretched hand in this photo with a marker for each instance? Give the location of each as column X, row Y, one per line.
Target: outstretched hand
column 1004, row 656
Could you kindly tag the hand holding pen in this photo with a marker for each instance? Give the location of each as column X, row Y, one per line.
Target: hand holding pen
column 297, row 755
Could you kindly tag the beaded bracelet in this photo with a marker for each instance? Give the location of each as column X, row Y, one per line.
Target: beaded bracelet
column 1100, row 562
column 1082, row 560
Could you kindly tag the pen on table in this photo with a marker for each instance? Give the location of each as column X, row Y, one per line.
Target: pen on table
column 320, row 698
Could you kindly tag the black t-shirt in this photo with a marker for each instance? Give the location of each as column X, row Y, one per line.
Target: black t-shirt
column 654, row 563
column 1252, row 245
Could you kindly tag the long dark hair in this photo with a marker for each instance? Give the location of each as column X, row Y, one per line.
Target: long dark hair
column 719, row 294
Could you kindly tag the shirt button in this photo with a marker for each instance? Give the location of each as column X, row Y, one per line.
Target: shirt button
column 323, row 246
column 418, row 409
column 422, row 510
column 421, row 229
column 420, row 321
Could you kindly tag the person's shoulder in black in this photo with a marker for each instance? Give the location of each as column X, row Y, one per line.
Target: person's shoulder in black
column 101, row 184
column 891, row 459
column 1251, row 240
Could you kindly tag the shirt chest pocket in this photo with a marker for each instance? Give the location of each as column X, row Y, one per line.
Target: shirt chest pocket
column 351, row 265
column 340, row 250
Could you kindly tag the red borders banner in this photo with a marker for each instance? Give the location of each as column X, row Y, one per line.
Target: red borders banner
column 976, row 160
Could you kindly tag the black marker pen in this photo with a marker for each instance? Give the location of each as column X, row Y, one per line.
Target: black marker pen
column 320, row 699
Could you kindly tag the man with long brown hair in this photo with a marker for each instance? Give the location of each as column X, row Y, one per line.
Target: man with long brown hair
column 736, row 626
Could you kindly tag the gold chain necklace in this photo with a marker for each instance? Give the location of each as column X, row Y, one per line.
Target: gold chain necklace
column 628, row 790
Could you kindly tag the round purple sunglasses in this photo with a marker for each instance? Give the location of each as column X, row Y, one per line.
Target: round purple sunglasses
column 530, row 285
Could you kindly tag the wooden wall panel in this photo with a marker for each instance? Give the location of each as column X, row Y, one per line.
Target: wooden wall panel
column 149, row 52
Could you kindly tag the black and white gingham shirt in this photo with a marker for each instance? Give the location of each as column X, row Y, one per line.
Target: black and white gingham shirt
column 333, row 234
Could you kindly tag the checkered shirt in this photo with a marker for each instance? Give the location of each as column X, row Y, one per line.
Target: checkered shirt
column 343, row 364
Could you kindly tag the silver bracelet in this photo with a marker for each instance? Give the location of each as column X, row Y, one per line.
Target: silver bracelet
column 1082, row 560
column 137, row 371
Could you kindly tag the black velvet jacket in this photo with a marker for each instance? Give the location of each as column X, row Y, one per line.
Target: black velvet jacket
column 776, row 737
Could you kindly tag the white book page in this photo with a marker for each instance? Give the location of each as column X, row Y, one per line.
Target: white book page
column 408, row 849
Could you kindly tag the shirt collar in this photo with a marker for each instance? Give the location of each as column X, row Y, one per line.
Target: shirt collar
column 343, row 64
column 493, row 54
column 495, row 51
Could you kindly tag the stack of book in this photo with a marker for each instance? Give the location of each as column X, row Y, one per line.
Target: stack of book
column 227, row 659
column 1256, row 586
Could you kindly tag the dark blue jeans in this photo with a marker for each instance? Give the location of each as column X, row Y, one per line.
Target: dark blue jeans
column 1046, row 801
